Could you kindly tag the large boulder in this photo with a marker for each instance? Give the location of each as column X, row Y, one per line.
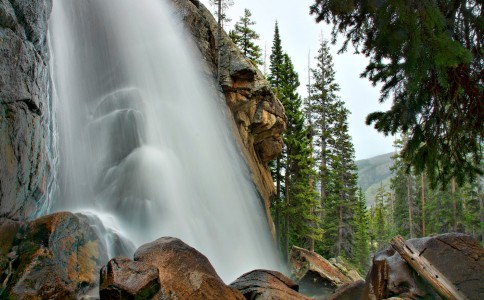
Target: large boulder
column 258, row 116
column 123, row 278
column 267, row 285
column 27, row 144
column 184, row 272
column 348, row 291
column 457, row 256
column 54, row 257
column 315, row 275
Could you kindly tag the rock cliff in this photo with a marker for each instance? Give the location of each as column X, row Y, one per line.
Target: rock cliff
column 26, row 115
column 258, row 116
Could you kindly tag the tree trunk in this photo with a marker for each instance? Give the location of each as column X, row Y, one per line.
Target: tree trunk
column 410, row 209
column 340, row 231
column 286, row 213
column 423, row 204
column 311, row 186
column 481, row 208
column 278, row 201
column 323, row 170
column 219, row 38
column 454, row 205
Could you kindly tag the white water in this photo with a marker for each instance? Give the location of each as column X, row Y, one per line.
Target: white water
column 143, row 138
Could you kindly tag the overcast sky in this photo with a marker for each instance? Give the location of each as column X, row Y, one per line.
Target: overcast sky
column 300, row 34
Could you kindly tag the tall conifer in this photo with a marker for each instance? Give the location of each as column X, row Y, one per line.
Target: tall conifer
column 244, row 37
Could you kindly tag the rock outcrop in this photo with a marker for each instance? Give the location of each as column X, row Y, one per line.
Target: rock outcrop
column 259, row 117
column 267, row 285
column 54, row 257
column 315, row 275
column 184, row 273
column 26, row 116
column 123, row 278
column 457, row 256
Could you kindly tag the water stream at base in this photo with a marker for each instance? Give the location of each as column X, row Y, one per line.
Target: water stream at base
column 144, row 141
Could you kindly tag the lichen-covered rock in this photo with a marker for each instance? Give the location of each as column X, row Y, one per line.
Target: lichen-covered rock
column 184, row 272
column 259, row 117
column 54, row 257
column 267, row 285
column 125, row 279
column 26, row 116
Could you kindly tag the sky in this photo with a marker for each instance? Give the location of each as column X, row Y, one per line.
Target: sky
column 301, row 37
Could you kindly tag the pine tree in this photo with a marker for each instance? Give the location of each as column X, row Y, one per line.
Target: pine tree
column 380, row 220
column 344, row 176
column 275, row 79
column 361, row 253
column 402, row 184
column 244, row 37
column 322, row 111
column 300, row 201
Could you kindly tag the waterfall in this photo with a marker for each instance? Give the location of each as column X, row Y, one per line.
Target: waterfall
column 143, row 137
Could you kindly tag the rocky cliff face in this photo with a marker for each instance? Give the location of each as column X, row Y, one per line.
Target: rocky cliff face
column 258, row 116
column 26, row 116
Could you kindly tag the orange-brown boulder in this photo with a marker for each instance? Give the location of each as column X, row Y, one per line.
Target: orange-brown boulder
column 267, row 285
column 125, row 279
column 184, row 272
column 54, row 257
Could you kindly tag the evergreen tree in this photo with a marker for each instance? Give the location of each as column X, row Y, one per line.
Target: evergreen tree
column 429, row 58
column 300, row 201
column 342, row 186
column 449, row 209
column 275, row 79
column 322, row 112
column 361, row 253
column 276, row 62
column 244, row 37
column 335, row 157
column 381, row 234
column 402, row 185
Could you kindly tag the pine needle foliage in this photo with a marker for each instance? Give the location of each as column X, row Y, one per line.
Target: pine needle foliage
column 429, row 58
column 245, row 37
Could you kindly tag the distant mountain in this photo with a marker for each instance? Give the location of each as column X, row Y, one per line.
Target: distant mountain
column 373, row 172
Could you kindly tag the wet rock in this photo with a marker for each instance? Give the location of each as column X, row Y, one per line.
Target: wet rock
column 349, row 291
column 54, row 257
column 26, row 118
column 184, row 272
column 267, row 285
column 457, row 256
column 258, row 116
column 123, row 278
column 315, row 275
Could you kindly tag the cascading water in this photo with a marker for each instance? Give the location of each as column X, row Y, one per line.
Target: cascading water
column 144, row 140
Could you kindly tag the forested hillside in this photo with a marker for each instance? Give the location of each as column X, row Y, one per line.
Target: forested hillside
column 372, row 173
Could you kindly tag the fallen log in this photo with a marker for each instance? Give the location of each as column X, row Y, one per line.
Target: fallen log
column 422, row 266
